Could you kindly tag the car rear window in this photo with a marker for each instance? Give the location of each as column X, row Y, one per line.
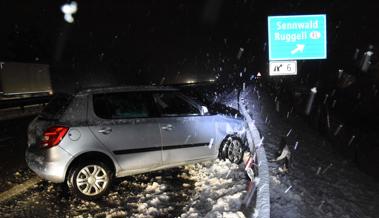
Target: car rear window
column 124, row 105
column 57, row 105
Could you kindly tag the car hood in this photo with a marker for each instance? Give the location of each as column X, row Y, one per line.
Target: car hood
column 222, row 109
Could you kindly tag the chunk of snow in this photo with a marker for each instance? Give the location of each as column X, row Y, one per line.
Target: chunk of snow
column 288, row 189
column 153, row 187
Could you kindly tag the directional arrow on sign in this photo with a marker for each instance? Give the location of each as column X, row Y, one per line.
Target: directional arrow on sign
column 299, row 47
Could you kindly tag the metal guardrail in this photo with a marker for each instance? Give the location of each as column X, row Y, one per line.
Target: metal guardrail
column 262, row 209
column 22, row 102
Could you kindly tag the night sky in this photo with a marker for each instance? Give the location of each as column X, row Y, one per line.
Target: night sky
column 139, row 42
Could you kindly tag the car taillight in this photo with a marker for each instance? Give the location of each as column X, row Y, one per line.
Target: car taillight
column 53, row 135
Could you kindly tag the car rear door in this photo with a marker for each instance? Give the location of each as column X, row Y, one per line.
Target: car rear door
column 186, row 134
column 127, row 125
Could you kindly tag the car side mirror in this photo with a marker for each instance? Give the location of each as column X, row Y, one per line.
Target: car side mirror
column 204, row 110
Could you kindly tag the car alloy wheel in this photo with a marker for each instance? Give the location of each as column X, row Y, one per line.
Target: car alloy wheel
column 235, row 151
column 90, row 180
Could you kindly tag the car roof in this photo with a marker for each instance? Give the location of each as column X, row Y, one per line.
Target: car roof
column 125, row 89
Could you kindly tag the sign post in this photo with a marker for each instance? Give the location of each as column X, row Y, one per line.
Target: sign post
column 282, row 68
column 298, row 37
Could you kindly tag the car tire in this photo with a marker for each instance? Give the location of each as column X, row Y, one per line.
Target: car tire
column 236, row 151
column 90, row 180
column 223, row 153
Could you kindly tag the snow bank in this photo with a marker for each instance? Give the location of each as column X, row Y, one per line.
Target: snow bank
column 220, row 187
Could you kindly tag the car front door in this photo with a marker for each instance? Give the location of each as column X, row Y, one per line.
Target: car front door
column 186, row 134
column 127, row 126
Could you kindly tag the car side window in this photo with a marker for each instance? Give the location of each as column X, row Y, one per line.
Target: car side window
column 124, row 105
column 170, row 104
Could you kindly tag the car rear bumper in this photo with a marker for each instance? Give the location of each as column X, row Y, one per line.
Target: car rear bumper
column 50, row 164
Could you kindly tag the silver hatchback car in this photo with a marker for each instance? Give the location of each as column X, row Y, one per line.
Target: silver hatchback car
column 91, row 137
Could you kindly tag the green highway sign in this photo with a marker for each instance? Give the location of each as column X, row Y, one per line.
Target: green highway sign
column 298, row 37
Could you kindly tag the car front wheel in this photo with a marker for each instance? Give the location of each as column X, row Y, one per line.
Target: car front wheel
column 236, row 151
column 90, row 181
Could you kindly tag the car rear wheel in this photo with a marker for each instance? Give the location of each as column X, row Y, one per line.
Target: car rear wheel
column 90, row 180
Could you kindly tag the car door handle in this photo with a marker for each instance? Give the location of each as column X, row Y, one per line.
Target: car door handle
column 105, row 130
column 168, row 127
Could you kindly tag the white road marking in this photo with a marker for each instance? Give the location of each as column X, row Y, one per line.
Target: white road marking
column 19, row 189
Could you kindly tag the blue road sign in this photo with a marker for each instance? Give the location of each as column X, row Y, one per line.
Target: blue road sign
column 297, row 37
